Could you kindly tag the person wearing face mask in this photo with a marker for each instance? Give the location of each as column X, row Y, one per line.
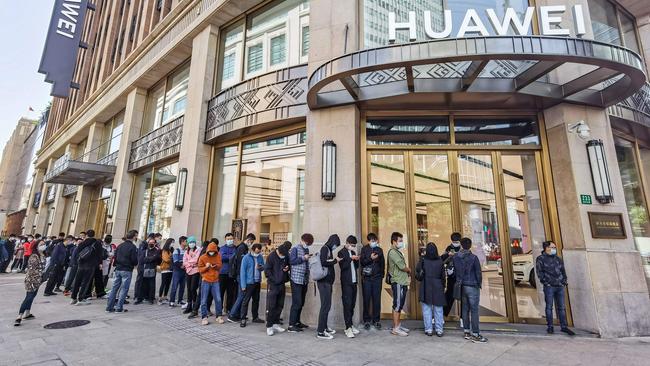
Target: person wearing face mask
column 431, row 274
column 178, row 273
column 126, row 258
column 88, row 259
column 299, row 260
column 57, row 260
column 149, row 261
column 251, row 277
column 235, row 265
column 228, row 285
column 399, row 281
column 549, row 268
column 277, row 275
column 372, row 271
column 33, row 281
column 190, row 264
column 349, row 263
column 27, row 246
column 327, row 260
column 448, row 260
column 209, row 267
column 468, row 271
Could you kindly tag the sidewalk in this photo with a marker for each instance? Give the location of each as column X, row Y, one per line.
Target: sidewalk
column 159, row 335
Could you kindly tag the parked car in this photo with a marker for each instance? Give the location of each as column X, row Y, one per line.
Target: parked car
column 523, row 269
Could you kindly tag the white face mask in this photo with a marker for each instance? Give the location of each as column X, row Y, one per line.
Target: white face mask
column 455, row 244
column 401, row 244
column 230, row 242
column 41, row 248
column 255, row 254
column 349, row 246
column 192, row 245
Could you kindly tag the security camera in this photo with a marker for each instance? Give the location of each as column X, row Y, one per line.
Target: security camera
column 581, row 128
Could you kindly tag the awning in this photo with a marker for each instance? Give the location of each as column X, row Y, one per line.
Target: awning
column 79, row 172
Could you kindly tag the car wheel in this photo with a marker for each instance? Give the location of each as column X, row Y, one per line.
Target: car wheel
column 531, row 280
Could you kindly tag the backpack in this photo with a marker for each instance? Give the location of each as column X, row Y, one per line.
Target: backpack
column 316, row 270
column 86, row 253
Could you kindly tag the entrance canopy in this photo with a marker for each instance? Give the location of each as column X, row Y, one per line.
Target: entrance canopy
column 480, row 72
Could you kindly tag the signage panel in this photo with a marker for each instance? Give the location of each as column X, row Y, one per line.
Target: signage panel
column 607, row 225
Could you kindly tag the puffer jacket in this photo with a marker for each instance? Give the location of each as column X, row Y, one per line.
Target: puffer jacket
column 550, row 270
column 191, row 261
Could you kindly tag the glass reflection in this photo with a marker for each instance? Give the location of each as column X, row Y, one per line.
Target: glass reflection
column 503, row 131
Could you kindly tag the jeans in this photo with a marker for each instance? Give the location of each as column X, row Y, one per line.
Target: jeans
column 178, row 284
column 469, row 305
column 371, row 299
column 27, row 303
column 325, row 291
column 210, row 288
column 298, row 294
column 555, row 294
column 236, row 308
column 121, row 283
column 349, row 299
column 69, row 279
column 252, row 292
column 433, row 311
column 274, row 303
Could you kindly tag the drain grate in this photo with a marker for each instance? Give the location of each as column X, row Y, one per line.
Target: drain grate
column 66, row 324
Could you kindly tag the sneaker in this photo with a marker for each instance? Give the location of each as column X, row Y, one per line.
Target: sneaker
column 294, row 329
column 234, row 319
column 355, row 331
column 479, row 339
column 243, row 324
column 348, row 333
column 439, row 334
column 58, row 290
column 568, row 331
column 270, row 331
column 137, row 302
column 428, row 333
column 109, row 311
column 160, row 302
column 550, row 330
column 121, row 311
column 192, row 315
column 403, row 329
column 330, row 331
column 399, row 332
column 204, row 321
column 103, row 297
column 258, row 321
column 172, row 305
column 73, row 302
column 302, row 326
column 378, row 325
column 366, row 326
column 49, row 294
column 83, row 302
column 324, row 335
column 220, row 320
column 17, row 322
column 278, row 328
column 30, row 316
column 467, row 335
column 66, row 293
column 184, row 306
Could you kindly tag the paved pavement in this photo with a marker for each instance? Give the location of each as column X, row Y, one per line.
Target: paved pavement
column 158, row 335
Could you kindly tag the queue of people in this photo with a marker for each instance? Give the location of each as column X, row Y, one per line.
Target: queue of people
column 195, row 275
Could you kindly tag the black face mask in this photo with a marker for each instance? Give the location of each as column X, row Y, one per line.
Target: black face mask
column 151, row 246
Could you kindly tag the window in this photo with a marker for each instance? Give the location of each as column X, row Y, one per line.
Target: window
column 278, row 50
column 153, row 201
column 414, row 130
column 304, row 50
column 603, row 21
column 228, row 66
column 499, row 131
column 166, row 101
column 628, row 28
column 255, row 58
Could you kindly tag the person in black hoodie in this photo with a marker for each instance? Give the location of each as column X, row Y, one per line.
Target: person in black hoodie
column 97, row 280
column 235, row 266
column 57, row 259
column 276, row 270
column 126, row 258
column 327, row 260
column 142, row 247
column 430, row 272
column 448, row 260
column 148, row 260
column 88, row 258
column 349, row 263
column 373, row 267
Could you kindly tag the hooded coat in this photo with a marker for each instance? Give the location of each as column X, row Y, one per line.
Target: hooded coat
column 209, row 266
column 432, row 289
column 327, row 257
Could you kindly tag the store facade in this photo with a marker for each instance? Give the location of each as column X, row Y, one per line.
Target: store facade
column 444, row 116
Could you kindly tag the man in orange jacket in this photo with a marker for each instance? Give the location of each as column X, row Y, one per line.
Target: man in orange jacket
column 209, row 267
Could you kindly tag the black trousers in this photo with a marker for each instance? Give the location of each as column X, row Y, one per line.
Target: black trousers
column 82, row 283
column 148, row 290
column 371, row 299
column 70, row 280
column 274, row 304
column 98, row 281
column 61, row 277
column 193, row 283
column 298, row 294
column 228, row 290
column 349, row 298
column 325, row 291
column 25, row 261
column 17, row 264
column 165, row 282
column 137, row 290
column 55, row 273
column 252, row 292
column 449, row 294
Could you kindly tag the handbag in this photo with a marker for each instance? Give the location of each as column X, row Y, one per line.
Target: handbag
column 149, row 273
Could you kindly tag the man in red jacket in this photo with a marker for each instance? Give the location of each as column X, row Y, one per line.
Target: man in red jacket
column 28, row 251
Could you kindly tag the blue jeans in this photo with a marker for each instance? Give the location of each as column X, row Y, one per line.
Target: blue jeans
column 213, row 288
column 432, row 311
column 555, row 294
column 470, row 302
column 178, row 283
column 121, row 283
column 236, row 307
column 27, row 303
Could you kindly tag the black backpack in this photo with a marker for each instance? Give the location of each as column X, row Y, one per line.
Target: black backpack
column 86, row 253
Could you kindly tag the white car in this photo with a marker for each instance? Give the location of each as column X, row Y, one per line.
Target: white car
column 523, row 269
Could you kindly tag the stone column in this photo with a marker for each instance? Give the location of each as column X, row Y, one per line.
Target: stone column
column 60, row 219
column 37, row 185
column 194, row 154
column 41, row 222
column 607, row 288
column 123, row 180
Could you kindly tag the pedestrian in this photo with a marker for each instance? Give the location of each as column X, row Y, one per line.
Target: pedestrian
column 430, row 272
column 250, row 274
column 210, row 300
column 327, row 261
column 148, row 261
column 190, row 264
column 88, row 259
column 468, row 272
column 72, row 268
column 19, row 253
column 399, row 274
column 299, row 261
column 178, row 273
column 126, row 258
column 27, row 251
column 349, row 264
column 33, row 281
column 549, row 268
column 276, row 270
column 57, row 261
column 228, row 285
column 10, row 245
column 209, row 267
column 235, row 264
column 107, row 262
column 165, row 270
column 373, row 266
column 448, row 260
column 142, row 247
column 98, row 275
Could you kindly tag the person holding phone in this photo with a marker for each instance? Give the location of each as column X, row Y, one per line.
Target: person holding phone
column 327, row 260
column 373, row 267
column 349, row 263
column 277, row 274
column 209, row 267
column 299, row 260
column 250, row 279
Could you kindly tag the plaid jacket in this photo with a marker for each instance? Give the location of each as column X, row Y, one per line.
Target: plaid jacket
column 299, row 266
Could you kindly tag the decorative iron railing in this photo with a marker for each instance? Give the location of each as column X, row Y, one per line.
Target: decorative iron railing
column 69, row 189
column 159, row 144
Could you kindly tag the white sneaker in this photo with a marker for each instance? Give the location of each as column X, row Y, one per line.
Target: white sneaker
column 269, row 331
column 355, row 331
column 403, row 329
column 399, row 332
column 324, row 335
column 278, row 328
column 330, row 331
column 349, row 333
column 184, row 306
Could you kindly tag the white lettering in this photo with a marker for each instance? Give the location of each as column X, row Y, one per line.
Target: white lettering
column 64, row 25
column 510, row 17
column 428, row 28
column 471, row 17
column 393, row 26
column 67, row 24
column 68, row 35
column 579, row 20
column 548, row 20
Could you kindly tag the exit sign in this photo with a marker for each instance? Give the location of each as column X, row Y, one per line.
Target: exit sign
column 585, row 199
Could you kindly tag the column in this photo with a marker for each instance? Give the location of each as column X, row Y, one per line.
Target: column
column 37, row 186
column 60, row 219
column 123, row 180
column 194, row 154
column 41, row 221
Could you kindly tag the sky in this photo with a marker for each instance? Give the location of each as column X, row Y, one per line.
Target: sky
column 23, row 27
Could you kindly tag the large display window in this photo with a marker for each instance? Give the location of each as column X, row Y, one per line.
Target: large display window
column 167, row 99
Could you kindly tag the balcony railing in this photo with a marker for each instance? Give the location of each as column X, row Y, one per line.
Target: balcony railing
column 92, row 167
column 635, row 108
column 69, row 190
column 158, row 145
